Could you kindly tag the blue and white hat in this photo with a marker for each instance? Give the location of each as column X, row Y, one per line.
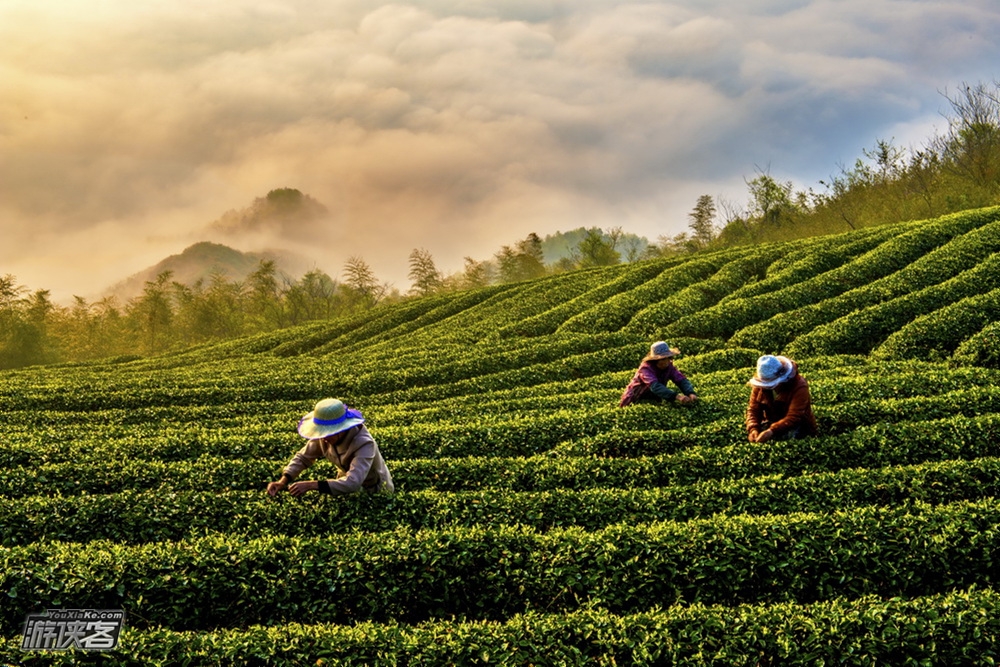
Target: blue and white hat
column 330, row 416
column 772, row 371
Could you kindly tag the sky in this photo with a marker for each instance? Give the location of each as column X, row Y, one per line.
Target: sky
column 127, row 127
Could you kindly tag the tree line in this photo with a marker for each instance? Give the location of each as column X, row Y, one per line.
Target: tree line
column 170, row 315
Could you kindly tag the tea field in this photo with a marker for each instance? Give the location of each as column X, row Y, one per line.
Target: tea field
column 535, row 522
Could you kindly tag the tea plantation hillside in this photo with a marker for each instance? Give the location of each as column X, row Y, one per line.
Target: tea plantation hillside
column 535, row 522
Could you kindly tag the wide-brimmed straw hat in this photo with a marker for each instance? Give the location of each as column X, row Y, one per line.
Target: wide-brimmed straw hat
column 661, row 350
column 771, row 371
column 330, row 416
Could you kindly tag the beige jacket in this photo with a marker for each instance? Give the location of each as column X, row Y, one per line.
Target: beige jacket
column 359, row 463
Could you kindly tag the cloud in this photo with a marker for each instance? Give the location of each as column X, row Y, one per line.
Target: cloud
column 126, row 128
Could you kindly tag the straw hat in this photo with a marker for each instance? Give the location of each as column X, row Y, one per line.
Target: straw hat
column 330, row 416
column 660, row 350
column 772, row 371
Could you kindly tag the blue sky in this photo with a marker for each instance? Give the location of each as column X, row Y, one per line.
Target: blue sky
column 127, row 128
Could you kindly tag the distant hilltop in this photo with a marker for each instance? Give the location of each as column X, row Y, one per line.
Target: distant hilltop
column 285, row 213
column 274, row 220
column 202, row 260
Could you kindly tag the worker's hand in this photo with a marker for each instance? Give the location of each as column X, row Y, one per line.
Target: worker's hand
column 692, row 398
column 276, row 487
column 683, row 400
column 299, row 488
column 765, row 436
column 752, row 436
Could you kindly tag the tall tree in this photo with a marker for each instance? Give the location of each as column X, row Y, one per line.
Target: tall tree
column 477, row 274
column 10, row 302
column 971, row 148
column 155, row 312
column 26, row 340
column 631, row 247
column 315, row 296
column 522, row 262
column 265, row 297
column 361, row 283
column 424, row 274
column 702, row 222
column 770, row 200
column 597, row 250
column 531, row 247
column 212, row 312
column 110, row 331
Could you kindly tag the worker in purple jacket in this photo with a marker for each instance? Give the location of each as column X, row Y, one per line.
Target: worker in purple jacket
column 649, row 384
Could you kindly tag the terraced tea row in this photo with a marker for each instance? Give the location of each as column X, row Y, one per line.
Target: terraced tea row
column 956, row 628
column 958, row 264
column 876, row 446
column 888, row 267
column 135, row 517
column 519, row 427
column 494, row 573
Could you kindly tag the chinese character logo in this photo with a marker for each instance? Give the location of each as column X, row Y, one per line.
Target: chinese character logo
column 63, row 629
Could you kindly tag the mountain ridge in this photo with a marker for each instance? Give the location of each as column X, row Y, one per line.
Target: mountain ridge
column 200, row 261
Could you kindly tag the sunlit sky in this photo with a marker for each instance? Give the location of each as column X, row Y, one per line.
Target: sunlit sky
column 127, row 127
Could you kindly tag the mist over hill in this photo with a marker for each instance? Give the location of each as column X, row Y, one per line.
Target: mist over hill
column 268, row 229
column 284, row 213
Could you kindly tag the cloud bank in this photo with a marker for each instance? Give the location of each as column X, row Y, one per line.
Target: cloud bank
column 127, row 128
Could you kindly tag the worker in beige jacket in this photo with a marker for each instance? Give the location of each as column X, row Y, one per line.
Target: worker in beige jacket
column 337, row 433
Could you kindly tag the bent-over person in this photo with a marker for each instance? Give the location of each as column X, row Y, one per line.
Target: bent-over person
column 338, row 434
column 649, row 384
column 780, row 406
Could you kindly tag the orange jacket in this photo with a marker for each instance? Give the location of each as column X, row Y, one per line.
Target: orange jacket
column 782, row 409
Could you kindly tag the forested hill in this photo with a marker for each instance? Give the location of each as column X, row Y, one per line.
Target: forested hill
column 199, row 262
column 534, row 521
